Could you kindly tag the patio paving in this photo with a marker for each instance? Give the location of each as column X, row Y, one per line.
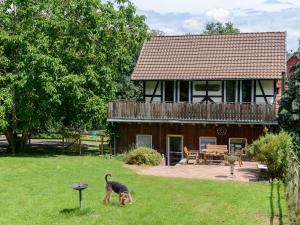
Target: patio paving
column 248, row 172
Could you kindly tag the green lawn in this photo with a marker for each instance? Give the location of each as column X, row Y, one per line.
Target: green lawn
column 36, row 190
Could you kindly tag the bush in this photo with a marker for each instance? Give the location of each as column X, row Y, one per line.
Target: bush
column 143, row 156
column 273, row 150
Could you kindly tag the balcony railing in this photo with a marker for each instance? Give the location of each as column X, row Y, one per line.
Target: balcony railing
column 192, row 112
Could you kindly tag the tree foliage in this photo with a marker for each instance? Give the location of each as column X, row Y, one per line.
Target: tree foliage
column 219, row 28
column 61, row 61
column 289, row 113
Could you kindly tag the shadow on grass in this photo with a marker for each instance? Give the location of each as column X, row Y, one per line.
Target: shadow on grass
column 45, row 149
column 279, row 215
column 76, row 212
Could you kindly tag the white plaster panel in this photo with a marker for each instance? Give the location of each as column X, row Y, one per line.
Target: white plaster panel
column 261, row 100
column 194, row 89
column 268, row 86
column 155, row 99
column 150, row 86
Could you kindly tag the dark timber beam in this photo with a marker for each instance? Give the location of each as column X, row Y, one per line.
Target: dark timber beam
column 263, row 92
column 156, row 86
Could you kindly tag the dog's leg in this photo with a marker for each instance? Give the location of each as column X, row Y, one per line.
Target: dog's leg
column 107, row 196
column 130, row 198
column 120, row 199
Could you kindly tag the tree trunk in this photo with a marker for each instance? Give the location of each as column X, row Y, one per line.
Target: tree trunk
column 16, row 143
column 12, row 140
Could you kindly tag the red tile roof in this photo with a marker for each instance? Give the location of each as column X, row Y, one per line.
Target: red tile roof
column 211, row 57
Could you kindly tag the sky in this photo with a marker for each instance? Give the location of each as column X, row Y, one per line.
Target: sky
column 191, row 16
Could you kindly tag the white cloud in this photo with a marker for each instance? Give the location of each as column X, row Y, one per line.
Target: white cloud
column 247, row 20
column 192, row 24
column 220, row 15
column 202, row 6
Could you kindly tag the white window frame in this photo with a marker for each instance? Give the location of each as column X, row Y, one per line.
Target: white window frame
column 145, row 135
column 202, row 137
column 229, row 142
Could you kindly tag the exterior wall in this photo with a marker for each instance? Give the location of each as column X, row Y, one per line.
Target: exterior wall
column 198, row 96
column 190, row 132
column 290, row 63
column 268, row 87
column 152, row 94
column 154, row 91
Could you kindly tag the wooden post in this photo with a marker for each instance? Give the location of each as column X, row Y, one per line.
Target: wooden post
column 298, row 187
column 102, row 147
column 80, row 146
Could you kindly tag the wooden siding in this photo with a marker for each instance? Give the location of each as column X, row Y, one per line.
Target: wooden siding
column 205, row 113
column 190, row 132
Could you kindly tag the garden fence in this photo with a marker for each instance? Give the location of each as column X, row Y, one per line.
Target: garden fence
column 293, row 185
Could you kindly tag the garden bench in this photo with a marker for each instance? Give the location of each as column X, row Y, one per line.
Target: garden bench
column 215, row 150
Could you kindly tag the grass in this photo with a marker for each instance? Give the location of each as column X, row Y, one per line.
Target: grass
column 36, row 190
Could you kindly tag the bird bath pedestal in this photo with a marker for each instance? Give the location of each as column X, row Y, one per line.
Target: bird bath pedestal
column 79, row 187
column 231, row 159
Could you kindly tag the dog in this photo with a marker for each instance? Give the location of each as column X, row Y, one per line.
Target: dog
column 120, row 189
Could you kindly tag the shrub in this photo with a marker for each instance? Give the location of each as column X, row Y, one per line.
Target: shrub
column 143, row 155
column 273, row 150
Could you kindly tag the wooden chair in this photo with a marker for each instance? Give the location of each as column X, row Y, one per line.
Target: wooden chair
column 215, row 150
column 191, row 155
column 239, row 156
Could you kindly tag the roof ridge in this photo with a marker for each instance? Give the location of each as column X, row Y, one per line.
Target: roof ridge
column 225, row 34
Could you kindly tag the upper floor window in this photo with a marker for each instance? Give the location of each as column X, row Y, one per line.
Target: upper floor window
column 184, row 91
column 169, row 91
column 230, row 89
column 246, row 91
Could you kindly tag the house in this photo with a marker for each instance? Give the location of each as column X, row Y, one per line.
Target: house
column 292, row 61
column 201, row 89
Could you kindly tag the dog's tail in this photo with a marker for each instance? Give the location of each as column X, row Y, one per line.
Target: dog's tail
column 107, row 175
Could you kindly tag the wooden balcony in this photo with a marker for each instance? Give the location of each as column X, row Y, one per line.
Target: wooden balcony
column 223, row 113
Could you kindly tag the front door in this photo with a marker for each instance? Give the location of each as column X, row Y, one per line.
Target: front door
column 175, row 149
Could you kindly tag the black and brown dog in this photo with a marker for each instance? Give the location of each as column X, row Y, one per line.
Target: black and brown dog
column 120, row 189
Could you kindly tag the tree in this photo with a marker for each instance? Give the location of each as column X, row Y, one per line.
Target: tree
column 156, row 32
column 62, row 61
column 289, row 112
column 219, row 28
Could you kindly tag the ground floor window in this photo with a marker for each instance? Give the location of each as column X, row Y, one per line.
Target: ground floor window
column 203, row 141
column 144, row 140
column 237, row 144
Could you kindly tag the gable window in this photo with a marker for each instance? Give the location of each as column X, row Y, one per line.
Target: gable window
column 169, row 91
column 184, row 91
column 204, row 141
column 237, row 144
column 247, row 91
column 144, row 140
column 230, row 89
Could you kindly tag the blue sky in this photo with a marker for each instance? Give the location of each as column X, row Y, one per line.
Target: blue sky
column 190, row 16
